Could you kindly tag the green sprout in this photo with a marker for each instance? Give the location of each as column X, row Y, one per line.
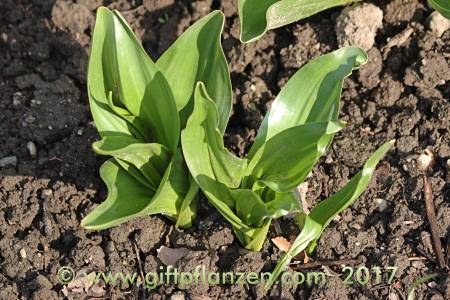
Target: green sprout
column 139, row 108
column 250, row 192
column 258, row 16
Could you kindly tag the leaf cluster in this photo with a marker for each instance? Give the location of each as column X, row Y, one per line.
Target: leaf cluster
column 162, row 123
column 139, row 108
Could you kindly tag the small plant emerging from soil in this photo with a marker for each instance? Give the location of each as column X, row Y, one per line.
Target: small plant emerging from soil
column 139, row 108
column 258, row 16
column 250, row 192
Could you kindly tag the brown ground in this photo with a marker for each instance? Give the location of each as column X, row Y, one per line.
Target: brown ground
column 405, row 95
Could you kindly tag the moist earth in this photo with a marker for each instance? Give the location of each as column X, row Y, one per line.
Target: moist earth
column 49, row 174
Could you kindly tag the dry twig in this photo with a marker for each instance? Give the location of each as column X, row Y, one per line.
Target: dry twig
column 431, row 215
column 141, row 269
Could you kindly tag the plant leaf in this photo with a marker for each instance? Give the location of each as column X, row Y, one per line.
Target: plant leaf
column 417, row 282
column 255, row 238
column 329, row 208
column 283, row 204
column 141, row 87
column 159, row 113
column 249, row 207
column 285, row 160
column 197, row 55
column 317, row 99
column 258, row 16
column 151, row 159
column 213, row 167
column 121, row 66
column 107, row 122
column 188, row 208
column 326, row 210
column 219, row 196
column 173, row 190
column 442, row 6
column 140, row 130
column 203, row 144
column 126, row 198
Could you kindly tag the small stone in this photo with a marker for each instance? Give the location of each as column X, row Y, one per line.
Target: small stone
column 17, row 98
column 424, row 161
column 47, row 192
column 438, row 23
column 178, row 296
column 358, row 25
column 8, row 161
column 23, row 253
column 382, row 204
column 80, row 132
column 437, row 297
column 30, row 119
column 31, row 149
column 448, row 163
column 355, row 226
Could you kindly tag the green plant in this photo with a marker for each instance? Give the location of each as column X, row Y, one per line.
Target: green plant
column 139, row 108
column 258, row 16
column 250, row 192
column 418, row 282
column 442, row 6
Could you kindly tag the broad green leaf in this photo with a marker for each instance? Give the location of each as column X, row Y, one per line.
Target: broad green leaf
column 127, row 197
column 159, row 113
column 197, row 55
column 151, row 159
column 311, row 95
column 285, row 160
column 220, row 197
column 322, row 214
column 188, row 208
column 141, row 87
column 252, row 18
column 135, row 172
column 442, row 6
column 172, row 192
column 203, row 144
column 258, row 16
column 107, row 122
column 249, row 207
column 140, row 130
column 121, row 66
column 254, row 239
column 283, row 204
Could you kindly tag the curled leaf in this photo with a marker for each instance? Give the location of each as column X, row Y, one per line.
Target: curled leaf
column 258, row 16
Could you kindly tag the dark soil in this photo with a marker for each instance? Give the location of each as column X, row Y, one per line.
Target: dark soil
column 404, row 94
